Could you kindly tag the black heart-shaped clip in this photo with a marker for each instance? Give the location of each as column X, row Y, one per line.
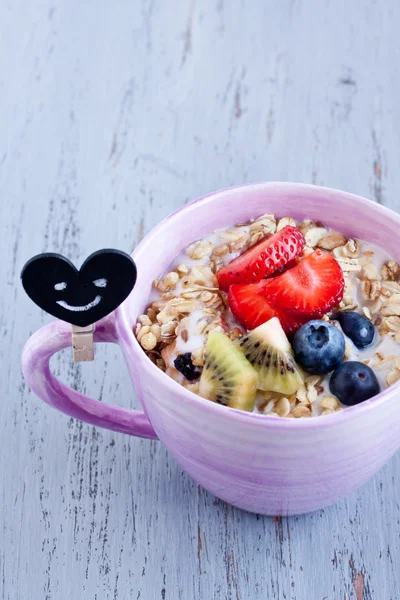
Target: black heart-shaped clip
column 80, row 297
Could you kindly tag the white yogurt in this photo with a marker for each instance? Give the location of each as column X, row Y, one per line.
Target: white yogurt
column 194, row 340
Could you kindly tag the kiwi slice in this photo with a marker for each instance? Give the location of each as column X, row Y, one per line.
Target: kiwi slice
column 268, row 350
column 227, row 377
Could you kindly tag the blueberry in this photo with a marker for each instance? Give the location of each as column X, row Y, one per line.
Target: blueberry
column 353, row 382
column 318, row 347
column 183, row 363
column 358, row 328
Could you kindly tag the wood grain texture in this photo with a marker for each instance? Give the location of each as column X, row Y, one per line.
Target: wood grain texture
column 113, row 114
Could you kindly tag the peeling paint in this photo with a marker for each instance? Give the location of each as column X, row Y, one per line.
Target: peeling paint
column 377, row 169
column 187, row 36
column 358, row 583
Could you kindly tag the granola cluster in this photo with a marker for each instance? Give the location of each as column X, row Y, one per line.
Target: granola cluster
column 182, row 292
column 302, row 403
column 191, row 290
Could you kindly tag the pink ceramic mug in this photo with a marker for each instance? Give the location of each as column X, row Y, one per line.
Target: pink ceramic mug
column 264, row 465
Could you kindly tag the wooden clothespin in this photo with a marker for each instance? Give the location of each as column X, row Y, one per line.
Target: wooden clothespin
column 80, row 297
column 82, row 343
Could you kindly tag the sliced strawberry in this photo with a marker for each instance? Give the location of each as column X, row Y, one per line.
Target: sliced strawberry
column 307, row 291
column 264, row 258
column 251, row 308
column 285, row 268
column 312, row 288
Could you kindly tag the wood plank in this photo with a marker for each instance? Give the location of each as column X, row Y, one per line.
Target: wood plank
column 111, row 116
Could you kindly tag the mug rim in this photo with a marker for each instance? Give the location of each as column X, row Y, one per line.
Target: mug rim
column 321, row 421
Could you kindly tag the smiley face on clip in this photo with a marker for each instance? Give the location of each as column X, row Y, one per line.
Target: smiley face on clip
column 80, row 297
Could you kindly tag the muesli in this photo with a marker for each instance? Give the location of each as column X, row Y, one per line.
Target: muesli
column 279, row 317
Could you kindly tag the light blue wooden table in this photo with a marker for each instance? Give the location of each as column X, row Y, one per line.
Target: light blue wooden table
column 113, row 114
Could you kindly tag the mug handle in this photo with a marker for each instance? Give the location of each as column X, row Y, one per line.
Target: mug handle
column 35, row 366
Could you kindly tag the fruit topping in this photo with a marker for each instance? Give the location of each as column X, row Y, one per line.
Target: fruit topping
column 227, row 377
column 353, row 382
column 318, row 347
column 249, row 305
column 311, row 288
column 357, row 327
column 183, row 363
column 263, row 259
column 268, row 350
column 307, row 291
